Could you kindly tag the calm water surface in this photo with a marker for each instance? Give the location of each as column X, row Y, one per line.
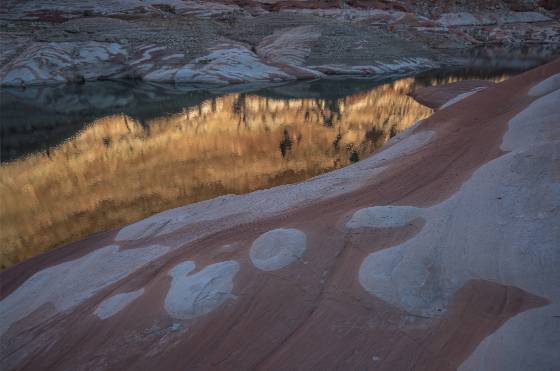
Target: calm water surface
column 82, row 159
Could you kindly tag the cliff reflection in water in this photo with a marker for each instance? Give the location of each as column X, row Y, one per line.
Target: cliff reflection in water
column 118, row 169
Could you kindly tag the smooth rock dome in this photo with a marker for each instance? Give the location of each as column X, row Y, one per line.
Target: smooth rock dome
column 278, row 248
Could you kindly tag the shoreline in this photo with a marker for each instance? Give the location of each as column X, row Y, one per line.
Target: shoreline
column 225, row 43
column 24, row 73
column 402, row 245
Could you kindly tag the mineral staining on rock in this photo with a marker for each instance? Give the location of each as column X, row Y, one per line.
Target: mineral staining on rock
column 111, row 306
column 278, row 248
column 197, row 294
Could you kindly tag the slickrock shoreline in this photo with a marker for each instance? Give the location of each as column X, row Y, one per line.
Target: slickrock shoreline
column 439, row 97
column 228, row 42
column 439, row 252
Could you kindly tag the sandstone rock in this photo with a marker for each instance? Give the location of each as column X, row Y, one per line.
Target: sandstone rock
column 546, row 86
column 398, row 66
column 455, row 245
column 47, row 63
column 116, row 303
column 197, row 294
column 470, row 19
column 257, row 40
column 278, row 248
column 282, row 58
column 383, row 217
column 66, row 285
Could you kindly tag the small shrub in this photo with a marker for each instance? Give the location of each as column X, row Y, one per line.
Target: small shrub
column 354, row 157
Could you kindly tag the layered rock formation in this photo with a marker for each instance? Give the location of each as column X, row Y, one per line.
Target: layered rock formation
column 439, row 252
column 223, row 42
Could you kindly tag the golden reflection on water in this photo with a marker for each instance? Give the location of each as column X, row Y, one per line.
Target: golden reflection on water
column 118, row 170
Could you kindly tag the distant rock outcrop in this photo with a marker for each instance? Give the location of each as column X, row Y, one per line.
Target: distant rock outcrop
column 224, row 42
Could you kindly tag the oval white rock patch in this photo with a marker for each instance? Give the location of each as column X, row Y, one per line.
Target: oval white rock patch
column 383, row 217
column 116, row 303
column 278, row 248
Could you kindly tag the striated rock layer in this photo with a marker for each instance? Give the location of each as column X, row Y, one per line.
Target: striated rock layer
column 280, row 59
column 438, row 253
column 230, row 41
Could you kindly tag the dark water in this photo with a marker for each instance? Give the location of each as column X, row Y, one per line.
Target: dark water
column 86, row 158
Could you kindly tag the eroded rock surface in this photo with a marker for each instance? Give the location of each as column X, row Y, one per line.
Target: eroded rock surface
column 66, row 285
column 224, row 42
column 438, row 252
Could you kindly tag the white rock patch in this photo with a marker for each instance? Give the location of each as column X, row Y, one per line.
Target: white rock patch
column 538, row 123
column 195, row 295
column 68, row 284
column 470, row 19
column 546, row 86
column 405, row 145
column 461, row 96
column 278, row 248
column 116, row 303
column 383, row 217
column 528, row 341
column 400, row 65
